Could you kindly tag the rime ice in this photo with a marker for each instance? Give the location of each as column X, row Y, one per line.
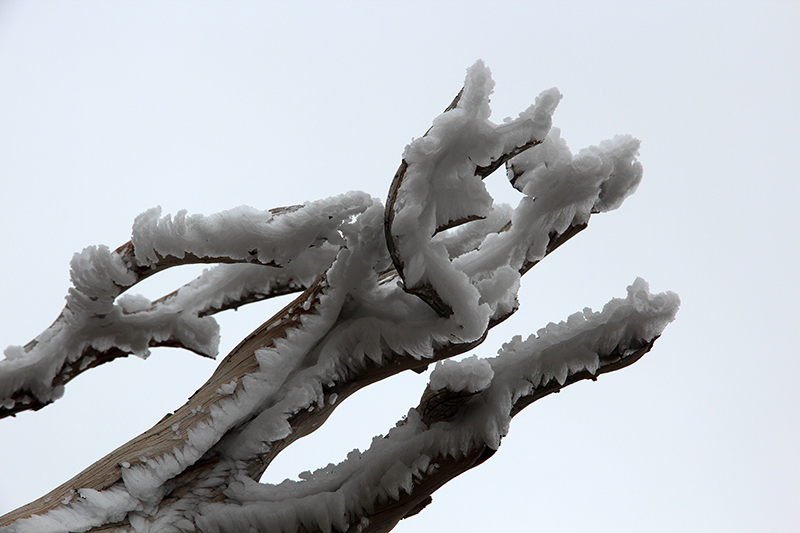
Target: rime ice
column 299, row 243
column 386, row 289
column 470, row 375
column 442, row 186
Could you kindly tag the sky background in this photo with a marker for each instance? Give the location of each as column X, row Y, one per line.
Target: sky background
column 110, row 108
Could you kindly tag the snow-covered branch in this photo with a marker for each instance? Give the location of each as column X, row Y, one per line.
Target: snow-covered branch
column 270, row 253
column 439, row 185
column 384, row 290
column 460, row 421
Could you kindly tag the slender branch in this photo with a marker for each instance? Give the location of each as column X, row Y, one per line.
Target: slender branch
column 485, row 171
column 87, row 314
column 386, row 514
column 90, row 358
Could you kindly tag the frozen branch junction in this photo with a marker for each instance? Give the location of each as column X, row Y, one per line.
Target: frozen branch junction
column 383, row 289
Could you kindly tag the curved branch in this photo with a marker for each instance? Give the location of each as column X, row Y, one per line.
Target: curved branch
column 451, row 431
column 94, row 329
column 387, row 513
column 197, row 469
column 438, row 186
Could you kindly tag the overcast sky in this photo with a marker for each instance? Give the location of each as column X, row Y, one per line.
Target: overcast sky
column 110, row 108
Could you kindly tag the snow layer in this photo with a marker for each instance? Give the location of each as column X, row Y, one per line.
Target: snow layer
column 475, row 271
column 560, row 350
column 244, row 232
column 470, row 374
column 561, row 190
column 91, row 509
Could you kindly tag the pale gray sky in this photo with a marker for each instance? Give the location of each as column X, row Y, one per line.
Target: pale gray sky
column 109, row 108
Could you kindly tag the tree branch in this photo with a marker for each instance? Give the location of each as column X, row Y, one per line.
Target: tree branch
column 455, row 427
column 459, row 259
column 94, row 329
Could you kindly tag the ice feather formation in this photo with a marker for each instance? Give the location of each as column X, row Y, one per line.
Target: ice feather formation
column 300, row 243
column 245, row 233
column 440, row 188
column 413, row 451
column 385, row 289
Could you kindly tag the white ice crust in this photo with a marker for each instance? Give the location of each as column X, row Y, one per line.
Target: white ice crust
column 412, row 450
column 440, row 186
column 358, row 318
column 301, row 243
column 469, row 375
column 245, row 233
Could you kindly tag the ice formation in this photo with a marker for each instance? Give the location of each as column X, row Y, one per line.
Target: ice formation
column 299, row 243
column 470, row 375
column 332, row 496
column 386, row 289
column 245, row 233
column 440, row 187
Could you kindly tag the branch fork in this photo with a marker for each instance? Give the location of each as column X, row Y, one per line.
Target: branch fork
column 383, row 290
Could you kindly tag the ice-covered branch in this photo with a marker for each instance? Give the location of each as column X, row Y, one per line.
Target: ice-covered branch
column 385, row 290
column 439, row 185
column 99, row 323
column 460, row 421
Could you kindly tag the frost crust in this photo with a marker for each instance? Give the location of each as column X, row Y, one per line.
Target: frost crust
column 447, row 239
